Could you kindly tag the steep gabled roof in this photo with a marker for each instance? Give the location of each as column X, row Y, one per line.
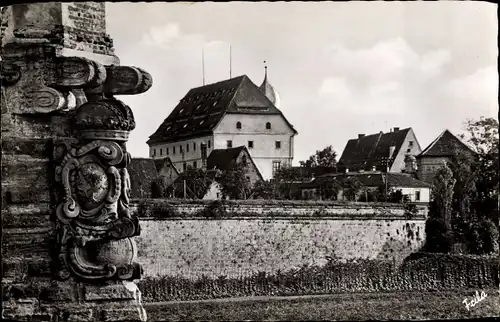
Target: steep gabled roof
column 371, row 150
column 142, row 173
column 444, row 145
column 202, row 109
column 159, row 163
column 224, row 159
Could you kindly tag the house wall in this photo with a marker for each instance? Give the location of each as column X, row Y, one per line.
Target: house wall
column 399, row 162
column 178, row 158
column 411, row 192
column 213, row 193
column 253, row 128
column 428, row 166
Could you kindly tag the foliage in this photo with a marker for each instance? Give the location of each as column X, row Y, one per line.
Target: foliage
column 442, row 193
column 438, row 239
column 322, row 158
column 351, row 187
column 329, row 189
column 264, row 189
column 197, row 183
column 483, row 237
column 234, row 182
column 284, row 179
column 434, row 271
column 159, row 188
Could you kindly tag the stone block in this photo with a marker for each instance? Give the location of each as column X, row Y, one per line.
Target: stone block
column 58, row 291
column 35, row 148
column 111, row 292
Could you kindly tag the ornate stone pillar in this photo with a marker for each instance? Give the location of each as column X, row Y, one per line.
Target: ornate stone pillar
column 68, row 248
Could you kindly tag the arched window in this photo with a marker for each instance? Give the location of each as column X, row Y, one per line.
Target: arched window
column 238, row 125
column 268, row 125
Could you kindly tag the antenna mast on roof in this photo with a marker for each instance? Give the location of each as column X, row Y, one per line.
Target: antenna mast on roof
column 230, row 61
column 203, row 64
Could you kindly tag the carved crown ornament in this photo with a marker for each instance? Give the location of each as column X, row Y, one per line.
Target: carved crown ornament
column 93, row 222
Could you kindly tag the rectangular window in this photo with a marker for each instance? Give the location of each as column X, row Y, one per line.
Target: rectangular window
column 410, row 143
column 187, row 147
column 408, row 151
column 194, row 146
column 229, row 143
column 417, row 195
column 180, row 148
column 250, row 144
column 195, row 165
column 161, row 151
column 209, row 144
column 154, row 152
column 276, row 166
column 173, row 150
column 184, row 166
column 168, row 151
column 278, row 144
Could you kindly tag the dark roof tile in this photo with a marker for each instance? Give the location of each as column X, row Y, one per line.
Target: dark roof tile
column 444, row 145
column 202, row 108
column 142, row 173
column 372, row 150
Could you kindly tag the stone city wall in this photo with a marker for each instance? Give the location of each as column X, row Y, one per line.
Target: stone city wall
column 235, row 239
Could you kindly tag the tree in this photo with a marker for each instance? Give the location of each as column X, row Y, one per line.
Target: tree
column 197, row 183
column 322, row 158
column 234, row 183
column 442, row 194
column 159, row 188
column 284, row 179
column 264, row 189
column 351, row 187
column 329, row 189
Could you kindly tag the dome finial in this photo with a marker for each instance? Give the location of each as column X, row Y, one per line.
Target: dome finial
column 265, row 70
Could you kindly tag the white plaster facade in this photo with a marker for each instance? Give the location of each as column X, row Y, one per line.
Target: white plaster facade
column 263, row 149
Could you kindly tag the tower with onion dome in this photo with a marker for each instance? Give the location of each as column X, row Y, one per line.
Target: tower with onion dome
column 269, row 90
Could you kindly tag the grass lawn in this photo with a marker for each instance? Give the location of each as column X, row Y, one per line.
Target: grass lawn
column 360, row 306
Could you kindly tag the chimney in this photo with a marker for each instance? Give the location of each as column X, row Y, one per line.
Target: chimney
column 396, row 129
column 360, row 136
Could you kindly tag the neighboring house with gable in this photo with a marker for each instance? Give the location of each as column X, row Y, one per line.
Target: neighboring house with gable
column 442, row 149
column 142, row 172
column 226, row 159
column 166, row 170
column 380, row 151
column 230, row 113
column 221, row 160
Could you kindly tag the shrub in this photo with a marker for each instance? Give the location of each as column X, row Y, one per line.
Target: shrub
column 438, row 238
column 483, row 237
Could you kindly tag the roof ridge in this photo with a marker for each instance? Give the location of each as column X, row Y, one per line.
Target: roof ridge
column 219, row 82
column 434, row 142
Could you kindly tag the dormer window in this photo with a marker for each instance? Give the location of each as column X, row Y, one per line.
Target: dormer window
column 268, row 125
column 182, row 110
column 238, row 125
column 198, row 107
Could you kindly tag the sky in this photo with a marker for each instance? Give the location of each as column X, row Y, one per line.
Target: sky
column 340, row 68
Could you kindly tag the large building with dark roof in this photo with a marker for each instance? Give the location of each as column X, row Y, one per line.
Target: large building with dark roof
column 230, row 113
column 380, row 152
column 442, row 149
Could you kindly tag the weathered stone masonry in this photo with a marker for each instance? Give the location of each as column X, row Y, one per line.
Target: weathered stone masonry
column 247, row 237
column 68, row 251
